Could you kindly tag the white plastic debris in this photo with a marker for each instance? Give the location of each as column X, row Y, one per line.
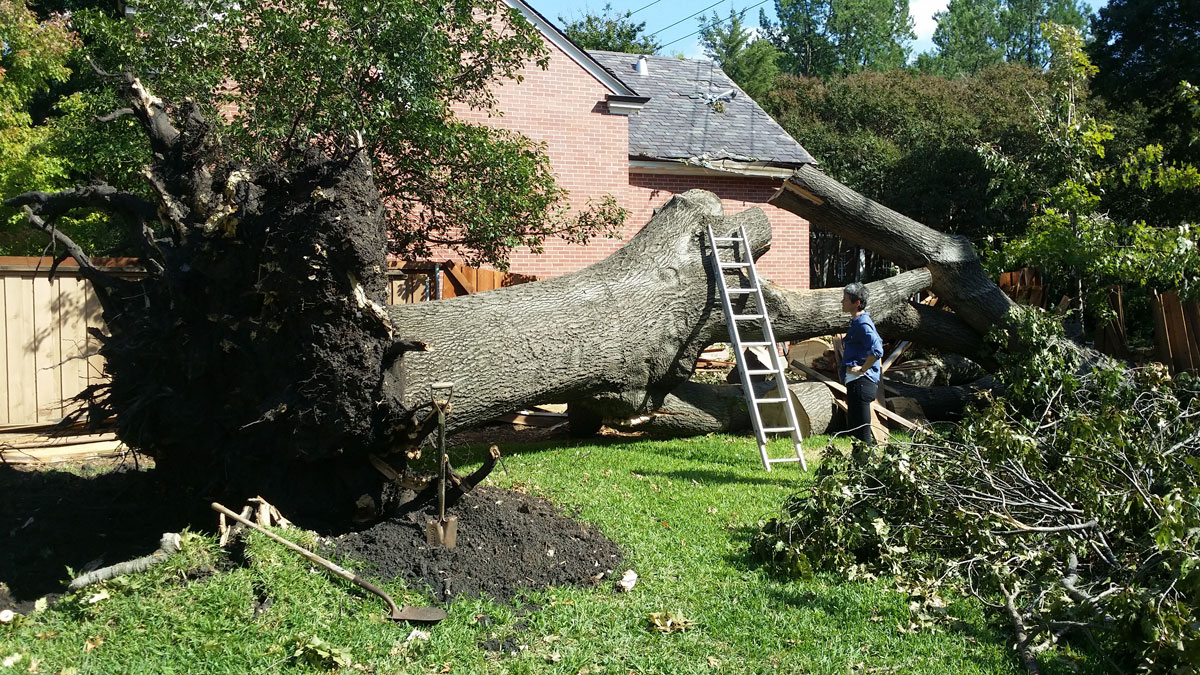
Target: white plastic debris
column 627, row 581
column 7, row 616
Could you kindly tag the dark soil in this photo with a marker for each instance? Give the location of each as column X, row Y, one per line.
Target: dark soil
column 507, row 541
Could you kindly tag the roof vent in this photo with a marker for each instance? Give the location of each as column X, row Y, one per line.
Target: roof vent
column 643, row 66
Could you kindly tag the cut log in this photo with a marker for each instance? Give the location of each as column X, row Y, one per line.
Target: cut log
column 695, row 409
column 939, row 404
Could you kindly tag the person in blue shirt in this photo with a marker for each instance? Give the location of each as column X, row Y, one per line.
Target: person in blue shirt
column 861, row 351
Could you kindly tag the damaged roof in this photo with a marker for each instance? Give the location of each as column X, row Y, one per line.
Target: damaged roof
column 697, row 115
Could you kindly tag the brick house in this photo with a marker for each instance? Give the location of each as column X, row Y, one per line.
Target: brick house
column 644, row 129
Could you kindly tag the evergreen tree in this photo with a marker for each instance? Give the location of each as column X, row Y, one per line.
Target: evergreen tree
column 870, row 34
column 1021, row 27
column 967, row 38
column 747, row 60
column 610, row 30
column 1144, row 48
column 801, row 37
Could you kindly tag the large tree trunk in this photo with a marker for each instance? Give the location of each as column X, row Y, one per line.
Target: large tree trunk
column 257, row 358
column 695, row 408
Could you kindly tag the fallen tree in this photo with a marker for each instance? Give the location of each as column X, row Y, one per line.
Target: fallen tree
column 257, row 357
column 696, row 408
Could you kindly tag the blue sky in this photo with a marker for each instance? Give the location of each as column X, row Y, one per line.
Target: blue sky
column 659, row 15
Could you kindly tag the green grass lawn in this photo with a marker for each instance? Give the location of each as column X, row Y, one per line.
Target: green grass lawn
column 682, row 510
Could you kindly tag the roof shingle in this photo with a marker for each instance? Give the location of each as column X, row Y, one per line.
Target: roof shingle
column 682, row 122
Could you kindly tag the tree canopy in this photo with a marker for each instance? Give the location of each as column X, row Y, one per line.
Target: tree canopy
column 974, row 34
column 386, row 78
column 609, row 30
column 747, row 60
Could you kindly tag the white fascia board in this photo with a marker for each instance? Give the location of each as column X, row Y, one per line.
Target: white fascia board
column 724, row 167
column 572, row 50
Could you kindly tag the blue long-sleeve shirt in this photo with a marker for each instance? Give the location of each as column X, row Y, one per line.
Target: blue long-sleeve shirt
column 861, row 341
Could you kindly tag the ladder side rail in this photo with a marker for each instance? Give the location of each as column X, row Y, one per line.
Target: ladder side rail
column 735, row 337
column 776, row 361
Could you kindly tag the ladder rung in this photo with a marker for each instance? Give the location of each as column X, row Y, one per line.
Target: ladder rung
column 762, row 372
column 783, row 459
column 725, row 265
column 740, row 290
column 727, row 239
column 776, row 430
column 747, row 317
column 774, row 399
column 757, row 344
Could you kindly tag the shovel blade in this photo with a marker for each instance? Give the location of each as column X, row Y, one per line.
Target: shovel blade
column 442, row 533
column 419, row 614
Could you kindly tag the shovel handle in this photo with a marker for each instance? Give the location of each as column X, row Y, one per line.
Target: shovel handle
column 332, row 567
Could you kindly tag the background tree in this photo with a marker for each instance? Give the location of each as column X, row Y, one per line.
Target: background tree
column 46, row 129
column 1082, row 246
column 870, row 34
column 1144, row 49
column 967, row 38
column 277, row 78
column 609, row 30
column 747, row 60
column 801, row 37
column 1021, row 24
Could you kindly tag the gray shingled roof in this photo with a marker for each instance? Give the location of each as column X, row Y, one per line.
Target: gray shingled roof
column 679, row 122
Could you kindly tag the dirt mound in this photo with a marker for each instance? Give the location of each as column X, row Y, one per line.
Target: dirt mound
column 507, row 541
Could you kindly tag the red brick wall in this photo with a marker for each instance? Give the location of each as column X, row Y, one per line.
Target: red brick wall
column 787, row 262
column 564, row 107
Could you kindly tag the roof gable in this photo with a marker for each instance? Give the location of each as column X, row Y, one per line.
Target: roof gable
column 697, row 115
column 573, row 51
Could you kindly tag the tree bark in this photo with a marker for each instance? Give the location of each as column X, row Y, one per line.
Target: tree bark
column 695, row 409
column 956, row 275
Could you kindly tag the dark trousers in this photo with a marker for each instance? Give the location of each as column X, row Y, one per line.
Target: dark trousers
column 859, row 395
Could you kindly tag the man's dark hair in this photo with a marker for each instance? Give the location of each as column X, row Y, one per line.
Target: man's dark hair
column 857, row 293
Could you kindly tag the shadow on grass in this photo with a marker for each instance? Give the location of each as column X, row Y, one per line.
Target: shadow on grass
column 50, row 520
column 717, row 476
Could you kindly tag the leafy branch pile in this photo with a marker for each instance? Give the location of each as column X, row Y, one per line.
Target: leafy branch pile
column 1070, row 506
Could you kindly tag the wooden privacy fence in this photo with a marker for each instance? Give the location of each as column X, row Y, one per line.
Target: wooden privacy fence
column 48, row 356
column 1176, row 332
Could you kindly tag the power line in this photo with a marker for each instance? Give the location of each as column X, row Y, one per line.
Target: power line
column 687, row 17
column 641, row 8
column 741, row 15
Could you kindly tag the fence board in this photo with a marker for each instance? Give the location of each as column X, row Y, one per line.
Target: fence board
column 72, row 308
column 1181, row 347
column 47, row 350
column 22, row 389
column 3, row 355
column 94, row 318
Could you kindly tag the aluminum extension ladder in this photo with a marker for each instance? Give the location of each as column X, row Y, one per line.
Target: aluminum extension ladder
column 738, row 246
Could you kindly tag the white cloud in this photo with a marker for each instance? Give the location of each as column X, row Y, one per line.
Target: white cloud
column 922, row 12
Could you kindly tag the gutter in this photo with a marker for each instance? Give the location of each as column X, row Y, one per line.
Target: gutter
column 719, row 167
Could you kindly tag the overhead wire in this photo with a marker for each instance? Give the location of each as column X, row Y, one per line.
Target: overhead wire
column 741, row 15
column 644, row 7
column 687, row 17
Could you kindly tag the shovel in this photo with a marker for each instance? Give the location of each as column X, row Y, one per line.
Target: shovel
column 421, row 614
column 443, row 531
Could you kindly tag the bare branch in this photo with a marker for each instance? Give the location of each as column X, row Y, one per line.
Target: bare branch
column 114, row 115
